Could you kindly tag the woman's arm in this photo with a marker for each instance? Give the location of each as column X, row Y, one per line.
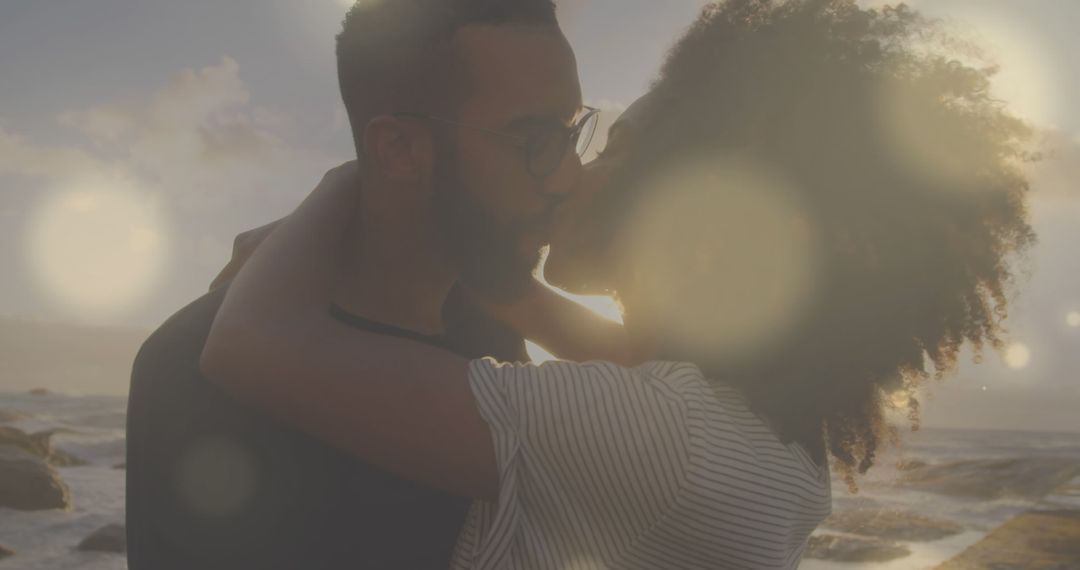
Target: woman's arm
column 403, row 406
column 562, row 327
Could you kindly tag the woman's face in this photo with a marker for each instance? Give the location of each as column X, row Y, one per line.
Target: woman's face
column 579, row 261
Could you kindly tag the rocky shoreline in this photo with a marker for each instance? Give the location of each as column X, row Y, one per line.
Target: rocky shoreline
column 28, row 477
column 1036, row 540
column 30, row 481
column 872, row 534
column 973, row 511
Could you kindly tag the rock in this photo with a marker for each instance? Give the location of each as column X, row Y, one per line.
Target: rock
column 854, row 549
column 5, row 552
column 39, row 392
column 109, row 538
column 892, row 525
column 1042, row 540
column 29, row 483
column 38, row 444
column 1028, row 477
column 61, row 458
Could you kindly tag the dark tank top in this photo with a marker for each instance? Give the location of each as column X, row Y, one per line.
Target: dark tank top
column 213, row 484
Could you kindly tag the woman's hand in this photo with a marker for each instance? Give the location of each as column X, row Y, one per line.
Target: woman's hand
column 564, row 328
column 403, row 406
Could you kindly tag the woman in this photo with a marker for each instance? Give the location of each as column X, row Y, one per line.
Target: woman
column 806, row 216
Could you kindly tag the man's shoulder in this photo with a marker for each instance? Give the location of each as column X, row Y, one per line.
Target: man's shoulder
column 165, row 375
column 184, row 333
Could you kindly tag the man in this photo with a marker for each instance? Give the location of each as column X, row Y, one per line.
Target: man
column 463, row 114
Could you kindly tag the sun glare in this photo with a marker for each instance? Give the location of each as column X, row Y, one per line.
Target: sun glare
column 604, row 306
column 1073, row 319
column 601, row 305
column 217, row 477
column 97, row 251
column 537, row 354
column 1026, row 78
column 728, row 252
column 1017, row 356
column 908, row 118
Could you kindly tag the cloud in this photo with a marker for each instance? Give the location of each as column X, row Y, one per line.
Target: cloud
column 196, row 135
column 21, row 157
column 189, row 97
column 198, row 140
column 210, row 161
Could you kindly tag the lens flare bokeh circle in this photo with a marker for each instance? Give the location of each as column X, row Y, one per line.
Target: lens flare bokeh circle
column 97, row 251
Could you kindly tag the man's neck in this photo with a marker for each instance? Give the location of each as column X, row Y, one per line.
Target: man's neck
column 393, row 276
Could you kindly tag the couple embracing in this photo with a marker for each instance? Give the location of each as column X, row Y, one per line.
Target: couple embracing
column 790, row 259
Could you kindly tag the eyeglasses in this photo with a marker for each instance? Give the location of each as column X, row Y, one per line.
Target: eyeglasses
column 544, row 148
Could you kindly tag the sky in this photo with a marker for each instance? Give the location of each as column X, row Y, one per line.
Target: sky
column 138, row 137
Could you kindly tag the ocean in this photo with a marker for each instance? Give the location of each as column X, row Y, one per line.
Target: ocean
column 92, row 428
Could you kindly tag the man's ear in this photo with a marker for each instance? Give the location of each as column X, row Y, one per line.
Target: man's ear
column 400, row 150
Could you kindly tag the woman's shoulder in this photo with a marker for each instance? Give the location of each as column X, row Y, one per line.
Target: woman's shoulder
column 676, row 384
column 680, row 380
column 680, row 376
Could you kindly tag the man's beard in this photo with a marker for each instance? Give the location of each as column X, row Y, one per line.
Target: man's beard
column 485, row 251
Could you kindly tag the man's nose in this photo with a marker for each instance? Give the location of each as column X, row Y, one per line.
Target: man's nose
column 566, row 178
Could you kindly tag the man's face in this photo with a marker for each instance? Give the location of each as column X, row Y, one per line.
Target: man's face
column 495, row 213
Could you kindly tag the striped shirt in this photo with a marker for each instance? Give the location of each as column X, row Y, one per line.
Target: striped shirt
column 655, row 467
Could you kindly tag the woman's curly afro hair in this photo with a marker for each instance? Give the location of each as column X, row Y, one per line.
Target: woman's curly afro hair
column 912, row 173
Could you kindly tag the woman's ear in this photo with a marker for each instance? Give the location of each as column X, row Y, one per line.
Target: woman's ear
column 398, row 149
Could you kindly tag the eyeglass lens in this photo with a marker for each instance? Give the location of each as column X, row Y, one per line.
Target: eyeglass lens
column 585, row 134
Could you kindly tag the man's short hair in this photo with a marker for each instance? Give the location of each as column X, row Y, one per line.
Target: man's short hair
column 393, row 55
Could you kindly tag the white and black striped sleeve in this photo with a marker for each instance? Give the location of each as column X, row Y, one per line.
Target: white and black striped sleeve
column 583, row 450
